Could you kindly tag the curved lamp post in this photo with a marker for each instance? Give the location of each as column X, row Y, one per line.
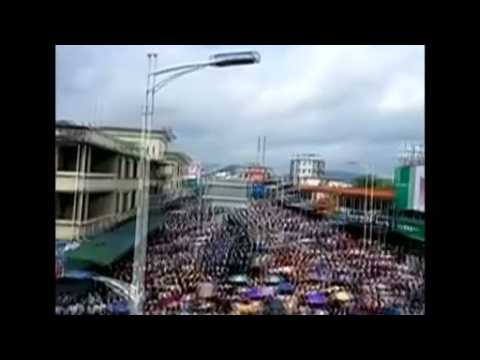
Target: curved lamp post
column 136, row 289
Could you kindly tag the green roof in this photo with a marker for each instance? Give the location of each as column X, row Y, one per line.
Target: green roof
column 104, row 249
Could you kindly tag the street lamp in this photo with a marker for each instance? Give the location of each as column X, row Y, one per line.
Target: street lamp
column 141, row 230
column 366, row 168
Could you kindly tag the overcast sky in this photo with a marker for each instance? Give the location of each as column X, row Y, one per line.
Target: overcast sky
column 343, row 102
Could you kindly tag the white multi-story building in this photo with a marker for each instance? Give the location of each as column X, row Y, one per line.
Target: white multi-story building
column 97, row 176
column 306, row 168
column 157, row 145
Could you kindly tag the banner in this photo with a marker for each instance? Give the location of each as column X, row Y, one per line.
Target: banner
column 411, row 228
column 402, row 183
column 418, row 201
column 409, row 183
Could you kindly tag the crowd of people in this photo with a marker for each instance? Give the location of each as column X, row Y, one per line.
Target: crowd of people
column 211, row 264
column 95, row 301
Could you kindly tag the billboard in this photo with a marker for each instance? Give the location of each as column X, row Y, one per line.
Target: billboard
column 409, row 183
column 412, row 228
column 418, row 200
column 402, row 180
column 258, row 191
column 194, row 170
column 256, row 174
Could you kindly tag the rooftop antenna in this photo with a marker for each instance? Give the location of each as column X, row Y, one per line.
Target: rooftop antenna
column 264, row 148
column 258, row 151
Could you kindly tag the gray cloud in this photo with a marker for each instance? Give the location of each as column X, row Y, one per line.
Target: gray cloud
column 344, row 102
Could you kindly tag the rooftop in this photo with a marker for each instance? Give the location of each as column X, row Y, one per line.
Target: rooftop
column 386, row 194
column 178, row 155
column 168, row 132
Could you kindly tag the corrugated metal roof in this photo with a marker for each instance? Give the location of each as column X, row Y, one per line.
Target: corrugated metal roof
column 352, row 191
column 106, row 248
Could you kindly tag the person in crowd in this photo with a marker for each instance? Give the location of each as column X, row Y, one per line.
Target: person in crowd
column 190, row 250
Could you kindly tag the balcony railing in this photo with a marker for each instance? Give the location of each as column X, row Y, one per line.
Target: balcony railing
column 89, row 175
column 70, row 229
column 71, row 181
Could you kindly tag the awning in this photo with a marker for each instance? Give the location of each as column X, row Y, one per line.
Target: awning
column 104, row 249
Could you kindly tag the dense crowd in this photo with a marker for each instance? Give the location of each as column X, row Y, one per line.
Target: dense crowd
column 96, row 301
column 192, row 262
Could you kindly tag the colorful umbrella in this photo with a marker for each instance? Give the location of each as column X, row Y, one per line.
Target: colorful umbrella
column 273, row 279
column 286, row 288
column 342, row 296
column 268, row 291
column 317, row 298
column 206, row 290
column 392, row 311
column 307, row 241
column 314, row 276
column 239, row 279
column 332, row 289
column 285, row 270
column 120, row 308
column 254, row 294
column 245, row 309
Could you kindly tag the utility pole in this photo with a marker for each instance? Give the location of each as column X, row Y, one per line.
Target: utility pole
column 264, row 148
column 258, row 151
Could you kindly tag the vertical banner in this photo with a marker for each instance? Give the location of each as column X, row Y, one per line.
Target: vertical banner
column 419, row 189
column 403, row 188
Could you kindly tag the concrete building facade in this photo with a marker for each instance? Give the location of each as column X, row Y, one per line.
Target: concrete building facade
column 156, row 147
column 220, row 193
column 333, row 199
column 176, row 166
column 306, row 168
column 97, row 174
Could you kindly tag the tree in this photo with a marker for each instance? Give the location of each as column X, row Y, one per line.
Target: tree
column 378, row 183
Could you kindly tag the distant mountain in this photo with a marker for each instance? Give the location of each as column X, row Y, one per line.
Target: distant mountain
column 231, row 168
column 211, row 166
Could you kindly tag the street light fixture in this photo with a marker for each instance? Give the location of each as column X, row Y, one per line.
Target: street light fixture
column 217, row 60
column 141, row 231
column 366, row 168
column 235, row 58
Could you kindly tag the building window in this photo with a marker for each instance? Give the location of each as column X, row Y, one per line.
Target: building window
column 134, row 199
